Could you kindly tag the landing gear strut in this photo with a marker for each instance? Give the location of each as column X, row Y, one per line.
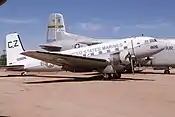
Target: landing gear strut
column 117, row 75
column 24, row 73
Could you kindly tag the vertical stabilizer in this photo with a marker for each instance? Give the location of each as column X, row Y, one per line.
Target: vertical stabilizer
column 13, row 48
column 56, row 27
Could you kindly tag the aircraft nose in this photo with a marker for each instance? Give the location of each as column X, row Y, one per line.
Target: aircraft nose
column 149, row 49
column 157, row 47
column 161, row 45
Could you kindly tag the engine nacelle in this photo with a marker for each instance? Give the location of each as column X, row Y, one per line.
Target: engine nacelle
column 118, row 62
column 120, row 58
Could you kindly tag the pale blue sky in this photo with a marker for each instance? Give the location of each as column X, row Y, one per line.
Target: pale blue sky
column 102, row 18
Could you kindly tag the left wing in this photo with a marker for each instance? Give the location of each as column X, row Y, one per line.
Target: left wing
column 67, row 60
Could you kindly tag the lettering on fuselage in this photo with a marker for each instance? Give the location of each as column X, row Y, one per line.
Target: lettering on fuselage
column 48, row 65
column 13, row 44
column 169, row 48
column 154, row 47
column 97, row 50
column 21, row 58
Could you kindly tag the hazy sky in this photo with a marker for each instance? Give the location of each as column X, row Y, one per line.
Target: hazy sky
column 94, row 18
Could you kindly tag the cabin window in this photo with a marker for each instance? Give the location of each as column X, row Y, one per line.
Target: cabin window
column 108, row 51
column 138, row 43
column 146, row 41
column 84, row 54
column 92, row 54
column 116, row 49
column 100, row 52
column 153, row 40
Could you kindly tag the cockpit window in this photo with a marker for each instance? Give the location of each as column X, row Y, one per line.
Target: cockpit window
column 146, row 41
column 153, row 40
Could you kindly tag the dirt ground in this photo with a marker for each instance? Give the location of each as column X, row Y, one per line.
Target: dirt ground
column 65, row 94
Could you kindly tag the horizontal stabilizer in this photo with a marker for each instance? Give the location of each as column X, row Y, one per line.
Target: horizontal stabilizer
column 89, row 43
column 14, row 67
column 50, row 47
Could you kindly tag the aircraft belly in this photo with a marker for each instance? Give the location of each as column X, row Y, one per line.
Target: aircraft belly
column 43, row 69
column 164, row 58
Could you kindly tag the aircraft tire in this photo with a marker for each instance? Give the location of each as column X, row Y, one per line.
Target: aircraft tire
column 167, row 72
column 117, row 75
column 107, row 76
column 24, row 73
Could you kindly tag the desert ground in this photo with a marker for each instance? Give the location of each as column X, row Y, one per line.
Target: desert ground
column 65, row 94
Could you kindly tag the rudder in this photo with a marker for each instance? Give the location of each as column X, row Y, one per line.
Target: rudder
column 56, row 27
column 13, row 48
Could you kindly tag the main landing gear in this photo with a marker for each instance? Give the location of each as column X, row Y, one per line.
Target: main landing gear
column 109, row 76
column 24, row 73
column 167, row 72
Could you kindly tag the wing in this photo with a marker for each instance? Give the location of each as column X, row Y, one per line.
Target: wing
column 90, row 43
column 68, row 60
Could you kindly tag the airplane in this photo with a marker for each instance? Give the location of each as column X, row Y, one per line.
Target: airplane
column 109, row 58
column 18, row 62
column 59, row 39
column 164, row 60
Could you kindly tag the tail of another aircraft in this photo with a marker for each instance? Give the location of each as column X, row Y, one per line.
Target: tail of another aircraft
column 13, row 48
column 56, row 27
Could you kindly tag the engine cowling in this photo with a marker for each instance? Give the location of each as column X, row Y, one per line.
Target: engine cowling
column 118, row 62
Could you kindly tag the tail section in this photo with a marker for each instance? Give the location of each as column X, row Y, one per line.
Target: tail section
column 13, row 48
column 56, row 27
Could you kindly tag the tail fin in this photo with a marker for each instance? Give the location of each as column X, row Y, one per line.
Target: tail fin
column 56, row 27
column 13, row 47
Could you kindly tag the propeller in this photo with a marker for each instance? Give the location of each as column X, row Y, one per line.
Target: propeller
column 132, row 58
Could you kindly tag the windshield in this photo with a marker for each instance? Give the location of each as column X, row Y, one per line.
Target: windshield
column 153, row 40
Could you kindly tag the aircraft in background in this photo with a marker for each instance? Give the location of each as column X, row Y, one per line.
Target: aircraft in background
column 18, row 62
column 164, row 60
column 58, row 39
column 109, row 58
